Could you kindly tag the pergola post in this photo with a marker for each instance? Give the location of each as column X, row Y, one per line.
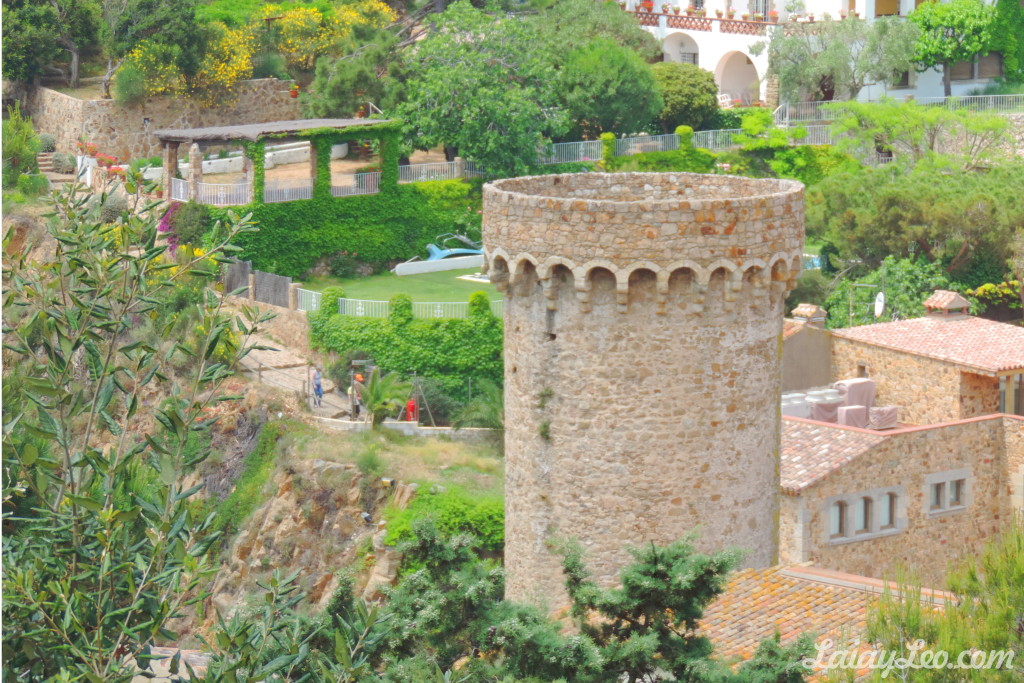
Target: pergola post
column 195, row 171
column 170, row 166
column 248, row 175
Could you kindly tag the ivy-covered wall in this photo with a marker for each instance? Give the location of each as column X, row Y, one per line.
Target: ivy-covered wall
column 394, row 224
column 449, row 350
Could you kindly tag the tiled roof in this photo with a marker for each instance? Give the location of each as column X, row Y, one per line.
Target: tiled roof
column 794, row 600
column 945, row 300
column 965, row 340
column 757, row 602
column 813, row 450
column 791, row 327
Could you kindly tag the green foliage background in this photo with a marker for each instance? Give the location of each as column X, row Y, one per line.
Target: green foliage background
column 448, row 350
column 454, row 510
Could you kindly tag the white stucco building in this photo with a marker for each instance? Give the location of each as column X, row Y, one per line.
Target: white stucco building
column 723, row 45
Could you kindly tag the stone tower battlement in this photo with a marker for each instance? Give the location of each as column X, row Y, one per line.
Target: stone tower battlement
column 643, row 332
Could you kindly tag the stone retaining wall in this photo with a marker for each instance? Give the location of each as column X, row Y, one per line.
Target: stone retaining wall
column 289, row 327
column 126, row 132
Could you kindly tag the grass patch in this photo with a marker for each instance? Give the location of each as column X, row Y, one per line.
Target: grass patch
column 813, row 246
column 455, row 510
column 443, row 286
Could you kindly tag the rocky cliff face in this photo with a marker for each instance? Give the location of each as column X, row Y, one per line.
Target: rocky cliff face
column 315, row 524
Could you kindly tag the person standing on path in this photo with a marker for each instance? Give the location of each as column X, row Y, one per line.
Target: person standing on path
column 318, row 387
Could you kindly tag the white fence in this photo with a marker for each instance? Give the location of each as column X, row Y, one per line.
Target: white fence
column 179, row 189
column 361, row 183
column 716, row 139
column 308, row 300
column 417, row 173
column 363, row 308
column 788, row 114
column 574, row 152
column 220, row 194
column 646, row 143
column 287, row 190
column 816, row 135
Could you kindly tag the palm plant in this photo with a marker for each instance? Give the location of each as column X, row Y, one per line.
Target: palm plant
column 486, row 409
column 384, row 394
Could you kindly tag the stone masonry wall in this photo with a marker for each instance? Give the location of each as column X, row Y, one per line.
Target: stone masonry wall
column 126, row 132
column 288, row 327
column 927, row 542
column 926, row 390
column 979, row 395
column 642, row 364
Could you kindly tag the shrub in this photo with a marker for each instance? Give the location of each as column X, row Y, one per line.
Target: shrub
column 453, row 510
column 111, row 207
column 270, row 65
column 33, row 184
column 689, row 92
column 20, row 146
column 47, row 143
column 130, row 85
column 344, row 265
column 63, row 163
column 190, row 222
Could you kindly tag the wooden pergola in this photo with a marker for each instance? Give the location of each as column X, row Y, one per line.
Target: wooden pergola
column 171, row 140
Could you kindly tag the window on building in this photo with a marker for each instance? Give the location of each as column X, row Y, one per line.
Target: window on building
column 938, row 496
column 837, row 522
column 990, row 66
column 862, row 370
column 863, row 521
column 698, row 4
column 888, row 512
column 688, row 57
column 1011, row 394
column 962, row 71
column 957, row 492
column 901, row 80
column 760, row 6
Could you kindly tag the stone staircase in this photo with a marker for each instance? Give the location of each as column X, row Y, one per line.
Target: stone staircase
column 45, row 161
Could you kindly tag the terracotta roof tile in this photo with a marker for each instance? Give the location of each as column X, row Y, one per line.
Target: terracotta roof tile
column 965, row 340
column 945, row 300
column 791, row 327
column 813, row 450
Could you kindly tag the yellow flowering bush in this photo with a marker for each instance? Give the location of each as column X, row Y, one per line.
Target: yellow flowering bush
column 158, row 74
column 227, row 61
column 302, row 34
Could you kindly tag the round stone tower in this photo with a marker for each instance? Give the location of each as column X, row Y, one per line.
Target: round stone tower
column 643, row 336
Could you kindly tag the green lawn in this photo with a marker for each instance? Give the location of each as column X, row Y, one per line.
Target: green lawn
column 443, row 286
column 812, row 246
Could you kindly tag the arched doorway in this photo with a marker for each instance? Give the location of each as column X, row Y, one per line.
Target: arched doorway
column 737, row 76
column 679, row 47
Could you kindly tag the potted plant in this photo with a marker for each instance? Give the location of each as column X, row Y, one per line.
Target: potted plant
column 294, row 90
column 745, row 16
column 731, row 13
column 773, row 16
column 690, row 10
column 622, row 4
column 647, row 5
column 856, row 15
column 702, row 13
column 810, row 17
column 666, row 8
column 758, row 16
column 718, row 13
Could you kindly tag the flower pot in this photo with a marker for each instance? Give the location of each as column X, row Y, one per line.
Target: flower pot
column 718, row 13
column 293, row 93
column 676, row 10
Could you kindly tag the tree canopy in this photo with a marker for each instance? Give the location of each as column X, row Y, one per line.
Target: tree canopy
column 832, row 59
column 690, row 94
column 951, row 32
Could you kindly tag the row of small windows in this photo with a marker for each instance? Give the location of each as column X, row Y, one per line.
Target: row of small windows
column 861, row 519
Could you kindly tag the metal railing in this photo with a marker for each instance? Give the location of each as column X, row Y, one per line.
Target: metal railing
column 716, row 139
column 573, row 152
column 308, row 300
column 798, row 112
column 364, row 308
column 441, row 170
column 816, row 135
column 287, row 190
column 646, row 143
column 222, row 194
column 179, row 189
column 362, row 183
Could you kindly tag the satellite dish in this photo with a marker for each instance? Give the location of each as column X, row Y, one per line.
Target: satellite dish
column 879, row 304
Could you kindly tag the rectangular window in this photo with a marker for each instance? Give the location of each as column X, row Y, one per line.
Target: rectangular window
column 956, row 492
column 837, row 522
column 990, row 66
column 901, row 80
column 888, row 512
column 862, row 370
column 938, row 499
column 962, row 71
column 863, row 521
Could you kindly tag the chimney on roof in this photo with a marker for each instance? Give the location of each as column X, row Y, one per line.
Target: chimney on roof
column 944, row 303
column 810, row 314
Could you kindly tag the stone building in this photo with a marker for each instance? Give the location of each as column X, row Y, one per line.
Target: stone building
column 867, row 502
column 643, row 317
column 947, row 365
